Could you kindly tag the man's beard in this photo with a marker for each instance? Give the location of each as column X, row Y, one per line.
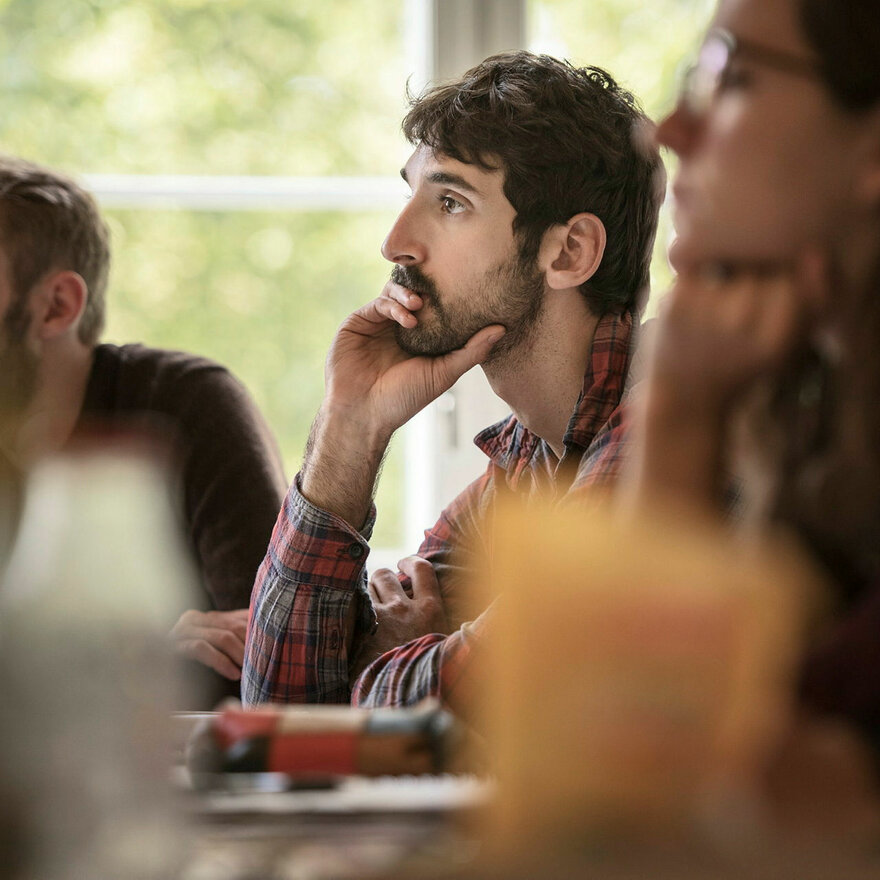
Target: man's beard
column 18, row 364
column 512, row 294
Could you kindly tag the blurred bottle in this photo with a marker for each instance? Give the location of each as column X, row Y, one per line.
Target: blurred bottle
column 97, row 578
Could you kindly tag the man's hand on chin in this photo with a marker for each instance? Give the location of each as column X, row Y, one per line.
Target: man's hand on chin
column 372, row 388
column 372, row 377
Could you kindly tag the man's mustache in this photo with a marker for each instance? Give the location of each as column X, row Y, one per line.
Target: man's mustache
column 413, row 279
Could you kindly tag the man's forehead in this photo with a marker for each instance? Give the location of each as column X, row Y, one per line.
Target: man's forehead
column 426, row 165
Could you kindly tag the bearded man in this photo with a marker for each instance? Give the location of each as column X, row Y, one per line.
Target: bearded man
column 525, row 247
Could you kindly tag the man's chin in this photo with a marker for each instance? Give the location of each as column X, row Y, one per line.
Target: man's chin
column 417, row 342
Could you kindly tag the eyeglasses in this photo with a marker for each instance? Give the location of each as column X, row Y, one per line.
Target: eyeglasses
column 703, row 80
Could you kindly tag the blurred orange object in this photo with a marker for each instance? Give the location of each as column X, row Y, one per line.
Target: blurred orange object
column 641, row 675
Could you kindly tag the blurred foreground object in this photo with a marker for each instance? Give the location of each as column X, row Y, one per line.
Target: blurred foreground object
column 330, row 792
column 317, row 743
column 97, row 577
column 643, row 675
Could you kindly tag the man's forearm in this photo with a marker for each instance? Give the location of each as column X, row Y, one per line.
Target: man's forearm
column 342, row 463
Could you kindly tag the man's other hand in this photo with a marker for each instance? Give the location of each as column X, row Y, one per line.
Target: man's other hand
column 403, row 617
column 213, row 638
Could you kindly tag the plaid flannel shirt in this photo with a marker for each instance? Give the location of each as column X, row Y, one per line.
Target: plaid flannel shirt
column 315, row 567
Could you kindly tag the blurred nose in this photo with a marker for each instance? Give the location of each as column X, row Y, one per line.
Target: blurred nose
column 678, row 131
column 403, row 244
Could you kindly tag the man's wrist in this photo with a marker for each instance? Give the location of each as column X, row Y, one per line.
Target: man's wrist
column 342, row 463
column 347, row 424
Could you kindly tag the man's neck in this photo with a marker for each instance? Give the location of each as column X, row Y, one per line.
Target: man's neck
column 53, row 412
column 542, row 379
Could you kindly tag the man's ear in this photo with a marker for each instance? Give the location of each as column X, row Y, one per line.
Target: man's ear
column 571, row 252
column 61, row 298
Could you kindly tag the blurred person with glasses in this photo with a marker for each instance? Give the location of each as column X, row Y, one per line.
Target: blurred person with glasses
column 765, row 365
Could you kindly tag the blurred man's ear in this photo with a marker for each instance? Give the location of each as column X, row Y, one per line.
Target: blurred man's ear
column 571, row 252
column 60, row 300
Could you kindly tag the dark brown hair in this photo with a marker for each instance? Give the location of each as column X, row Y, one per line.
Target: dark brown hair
column 846, row 36
column 843, row 477
column 568, row 140
column 49, row 223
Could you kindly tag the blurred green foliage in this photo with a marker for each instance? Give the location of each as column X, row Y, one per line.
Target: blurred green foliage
column 309, row 87
column 261, row 292
column 265, row 87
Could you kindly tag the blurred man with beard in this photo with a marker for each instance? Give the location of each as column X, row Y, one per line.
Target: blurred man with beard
column 57, row 382
column 524, row 247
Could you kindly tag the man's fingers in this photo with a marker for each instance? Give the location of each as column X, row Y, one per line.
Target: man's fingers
column 235, row 621
column 475, row 351
column 208, row 655
column 228, row 619
column 371, row 319
column 225, row 640
column 403, row 295
column 398, row 304
column 222, row 631
column 384, row 585
column 229, row 642
column 394, row 311
column 421, row 573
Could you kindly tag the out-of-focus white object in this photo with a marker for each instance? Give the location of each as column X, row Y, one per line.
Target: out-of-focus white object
column 97, row 578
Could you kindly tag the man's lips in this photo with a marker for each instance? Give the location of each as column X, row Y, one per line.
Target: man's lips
column 413, row 289
column 404, row 281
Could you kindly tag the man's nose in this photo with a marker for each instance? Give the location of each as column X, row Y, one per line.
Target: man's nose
column 403, row 244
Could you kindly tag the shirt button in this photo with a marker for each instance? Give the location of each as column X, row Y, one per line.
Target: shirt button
column 355, row 551
column 334, row 639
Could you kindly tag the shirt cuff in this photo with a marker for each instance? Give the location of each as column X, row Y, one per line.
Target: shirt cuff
column 321, row 516
column 314, row 546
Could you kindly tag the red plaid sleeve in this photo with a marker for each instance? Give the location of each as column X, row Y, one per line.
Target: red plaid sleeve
column 314, row 570
column 446, row 667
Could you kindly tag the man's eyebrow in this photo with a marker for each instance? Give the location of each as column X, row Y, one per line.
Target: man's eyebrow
column 444, row 177
column 452, row 180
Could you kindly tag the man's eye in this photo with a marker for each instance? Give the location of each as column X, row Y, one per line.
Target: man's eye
column 450, row 205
